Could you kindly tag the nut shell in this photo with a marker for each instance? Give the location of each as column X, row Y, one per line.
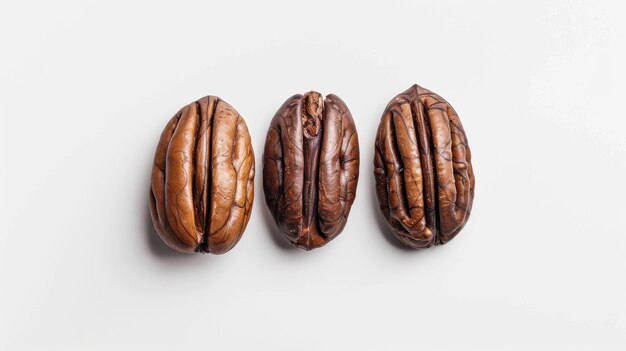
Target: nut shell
column 203, row 178
column 423, row 169
column 311, row 168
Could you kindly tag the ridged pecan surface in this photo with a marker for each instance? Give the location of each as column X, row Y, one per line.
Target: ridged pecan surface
column 203, row 178
column 423, row 169
column 311, row 168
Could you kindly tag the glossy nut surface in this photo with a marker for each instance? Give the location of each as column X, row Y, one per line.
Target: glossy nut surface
column 311, row 168
column 203, row 178
column 423, row 169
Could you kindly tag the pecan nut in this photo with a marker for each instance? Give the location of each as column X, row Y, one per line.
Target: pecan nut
column 311, row 168
column 423, row 169
column 203, row 178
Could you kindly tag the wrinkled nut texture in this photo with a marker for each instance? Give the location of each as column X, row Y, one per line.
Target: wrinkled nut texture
column 203, row 178
column 311, row 168
column 423, row 169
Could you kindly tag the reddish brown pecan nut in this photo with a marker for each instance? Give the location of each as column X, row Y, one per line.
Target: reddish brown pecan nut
column 203, row 178
column 423, row 169
column 311, row 168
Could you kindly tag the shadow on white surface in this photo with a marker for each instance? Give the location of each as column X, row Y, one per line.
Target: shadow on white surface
column 157, row 247
column 273, row 232
column 382, row 225
column 372, row 199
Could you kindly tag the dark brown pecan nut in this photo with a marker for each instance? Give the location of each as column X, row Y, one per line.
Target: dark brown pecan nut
column 311, row 168
column 423, row 169
column 203, row 178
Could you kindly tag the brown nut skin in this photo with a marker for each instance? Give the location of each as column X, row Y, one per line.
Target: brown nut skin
column 311, row 168
column 203, row 178
column 423, row 169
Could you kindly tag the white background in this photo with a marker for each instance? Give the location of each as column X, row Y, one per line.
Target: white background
column 87, row 88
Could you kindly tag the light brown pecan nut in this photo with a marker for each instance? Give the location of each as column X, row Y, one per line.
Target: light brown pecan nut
column 311, row 168
column 203, row 178
column 423, row 169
